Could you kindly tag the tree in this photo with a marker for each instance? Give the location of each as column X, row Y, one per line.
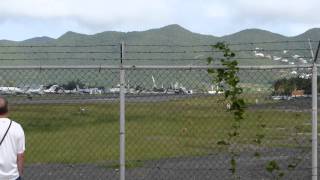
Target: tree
column 73, row 84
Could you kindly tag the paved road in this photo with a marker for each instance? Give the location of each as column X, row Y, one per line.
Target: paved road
column 303, row 104
column 210, row 167
column 98, row 99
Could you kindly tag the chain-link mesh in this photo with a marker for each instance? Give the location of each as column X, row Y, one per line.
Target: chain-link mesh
column 175, row 119
column 71, row 126
column 178, row 122
column 176, row 135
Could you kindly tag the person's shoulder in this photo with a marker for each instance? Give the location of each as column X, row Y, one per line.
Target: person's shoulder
column 16, row 124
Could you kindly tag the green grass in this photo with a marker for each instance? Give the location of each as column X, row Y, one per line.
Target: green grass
column 154, row 130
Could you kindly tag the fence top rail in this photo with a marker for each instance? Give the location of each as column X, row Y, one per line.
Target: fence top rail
column 186, row 67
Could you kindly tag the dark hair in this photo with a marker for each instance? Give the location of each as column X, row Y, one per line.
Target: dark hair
column 4, row 106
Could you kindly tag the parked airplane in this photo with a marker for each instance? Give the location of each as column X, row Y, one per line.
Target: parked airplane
column 54, row 89
column 11, row 90
column 83, row 91
column 115, row 89
column 180, row 89
column 215, row 91
column 127, row 89
column 155, row 88
column 37, row 91
column 88, row 90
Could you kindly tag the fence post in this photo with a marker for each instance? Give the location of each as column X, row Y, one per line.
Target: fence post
column 314, row 116
column 122, row 113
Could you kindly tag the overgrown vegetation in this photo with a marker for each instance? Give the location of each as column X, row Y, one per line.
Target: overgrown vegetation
column 73, row 85
column 286, row 86
column 227, row 80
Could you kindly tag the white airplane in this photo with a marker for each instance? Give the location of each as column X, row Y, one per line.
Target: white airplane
column 276, row 58
column 83, row 91
column 217, row 91
column 269, row 56
column 87, row 90
column 127, row 89
column 295, row 56
column 115, row 89
column 179, row 89
column 11, row 90
column 38, row 91
column 303, row 60
column 185, row 91
column 54, row 89
column 155, row 88
column 259, row 54
column 72, row 91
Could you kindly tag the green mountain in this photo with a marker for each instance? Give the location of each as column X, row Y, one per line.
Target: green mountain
column 253, row 35
column 80, row 49
column 37, row 40
column 172, row 34
column 313, row 34
column 254, row 54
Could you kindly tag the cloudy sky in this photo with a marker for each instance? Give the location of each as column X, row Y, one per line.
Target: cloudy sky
column 23, row 19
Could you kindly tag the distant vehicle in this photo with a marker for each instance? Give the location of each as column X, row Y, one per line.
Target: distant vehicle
column 281, row 97
column 276, row 97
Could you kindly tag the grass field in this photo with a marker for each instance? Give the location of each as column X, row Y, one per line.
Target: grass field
column 154, row 130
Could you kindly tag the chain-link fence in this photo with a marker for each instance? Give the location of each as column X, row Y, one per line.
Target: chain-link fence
column 177, row 120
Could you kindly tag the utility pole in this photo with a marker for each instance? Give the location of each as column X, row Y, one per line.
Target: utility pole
column 314, row 113
column 122, row 113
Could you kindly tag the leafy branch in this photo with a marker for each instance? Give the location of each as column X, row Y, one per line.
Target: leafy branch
column 228, row 80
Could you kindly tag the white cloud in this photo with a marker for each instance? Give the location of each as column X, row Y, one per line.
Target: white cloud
column 203, row 16
column 295, row 11
column 97, row 12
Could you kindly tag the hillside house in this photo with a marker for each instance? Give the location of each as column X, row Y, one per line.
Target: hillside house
column 297, row 93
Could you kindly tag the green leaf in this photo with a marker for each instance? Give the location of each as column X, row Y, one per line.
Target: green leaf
column 272, row 166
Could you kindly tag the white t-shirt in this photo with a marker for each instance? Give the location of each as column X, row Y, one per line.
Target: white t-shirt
column 13, row 144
